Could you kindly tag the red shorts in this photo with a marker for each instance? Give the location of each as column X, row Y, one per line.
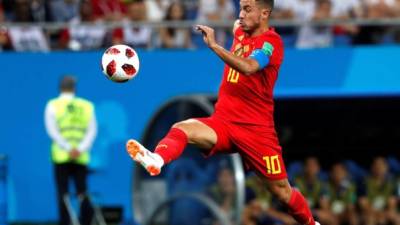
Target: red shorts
column 258, row 147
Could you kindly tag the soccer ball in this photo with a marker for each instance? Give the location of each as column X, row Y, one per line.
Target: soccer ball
column 120, row 63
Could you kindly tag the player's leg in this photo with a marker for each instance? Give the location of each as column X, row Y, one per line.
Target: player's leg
column 190, row 131
column 172, row 145
column 291, row 198
column 263, row 154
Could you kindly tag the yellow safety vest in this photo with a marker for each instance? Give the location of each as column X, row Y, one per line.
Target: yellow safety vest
column 73, row 117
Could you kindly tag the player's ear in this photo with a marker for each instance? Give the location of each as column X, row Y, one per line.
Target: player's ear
column 265, row 13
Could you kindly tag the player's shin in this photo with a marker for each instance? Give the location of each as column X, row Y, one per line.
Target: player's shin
column 299, row 208
column 172, row 145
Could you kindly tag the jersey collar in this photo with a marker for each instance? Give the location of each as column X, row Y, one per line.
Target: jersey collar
column 67, row 95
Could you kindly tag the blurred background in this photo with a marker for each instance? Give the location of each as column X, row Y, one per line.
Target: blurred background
column 337, row 109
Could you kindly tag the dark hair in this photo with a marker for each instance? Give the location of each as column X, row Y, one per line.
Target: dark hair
column 68, row 83
column 320, row 2
column 168, row 15
column 269, row 3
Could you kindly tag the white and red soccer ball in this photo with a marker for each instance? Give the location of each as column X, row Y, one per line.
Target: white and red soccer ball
column 120, row 63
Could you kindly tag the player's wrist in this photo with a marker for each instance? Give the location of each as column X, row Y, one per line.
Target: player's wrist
column 214, row 46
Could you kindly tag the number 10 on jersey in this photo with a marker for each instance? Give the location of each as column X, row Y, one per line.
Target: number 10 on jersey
column 233, row 76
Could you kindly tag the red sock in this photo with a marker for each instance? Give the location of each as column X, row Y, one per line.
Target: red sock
column 172, row 145
column 299, row 209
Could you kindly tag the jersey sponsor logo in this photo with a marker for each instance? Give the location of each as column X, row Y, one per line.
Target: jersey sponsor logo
column 272, row 164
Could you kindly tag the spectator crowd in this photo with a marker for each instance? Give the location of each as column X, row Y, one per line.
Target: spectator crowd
column 345, row 193
column 83, row 23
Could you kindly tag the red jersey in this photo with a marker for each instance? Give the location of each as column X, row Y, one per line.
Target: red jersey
column 248, row 99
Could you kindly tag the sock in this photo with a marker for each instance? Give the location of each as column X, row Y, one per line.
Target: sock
column 172, row 145
column 299, row 209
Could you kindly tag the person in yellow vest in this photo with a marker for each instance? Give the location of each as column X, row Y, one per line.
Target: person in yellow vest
column 71, row 124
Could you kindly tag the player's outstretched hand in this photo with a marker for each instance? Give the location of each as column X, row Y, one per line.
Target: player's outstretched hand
column 208, row 35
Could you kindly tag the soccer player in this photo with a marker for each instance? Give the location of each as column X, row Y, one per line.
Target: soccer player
column 243, row 119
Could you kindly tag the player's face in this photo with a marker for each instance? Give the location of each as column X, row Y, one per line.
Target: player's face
column 252, row 15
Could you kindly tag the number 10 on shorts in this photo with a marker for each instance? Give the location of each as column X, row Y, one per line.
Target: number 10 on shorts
column 272, row 163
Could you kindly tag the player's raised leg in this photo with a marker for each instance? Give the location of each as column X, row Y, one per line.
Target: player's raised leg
column 293, row 199
column 172, row 145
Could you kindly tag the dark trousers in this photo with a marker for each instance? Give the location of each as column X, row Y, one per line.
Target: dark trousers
column 78, row 173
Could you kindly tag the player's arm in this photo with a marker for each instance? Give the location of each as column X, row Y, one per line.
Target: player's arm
column 258, row 60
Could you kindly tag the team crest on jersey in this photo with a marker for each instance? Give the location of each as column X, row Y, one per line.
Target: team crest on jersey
column 238, row 50
column 237, row 46
column 246, row 48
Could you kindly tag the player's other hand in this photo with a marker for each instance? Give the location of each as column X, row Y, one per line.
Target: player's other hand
column 74, row 153
column 208, row 35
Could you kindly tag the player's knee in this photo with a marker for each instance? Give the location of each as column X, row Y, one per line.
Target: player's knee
column 281, row 190
column 186, row 126
column 196, row 133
